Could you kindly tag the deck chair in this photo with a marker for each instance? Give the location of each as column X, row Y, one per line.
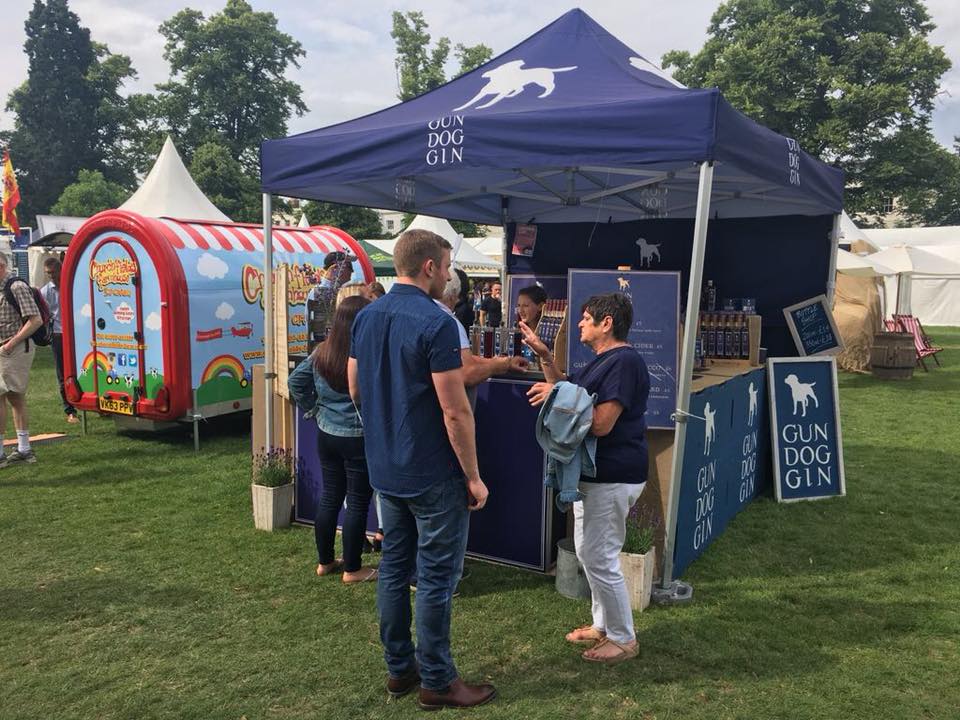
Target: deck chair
column 921, row 342
column 891, row 326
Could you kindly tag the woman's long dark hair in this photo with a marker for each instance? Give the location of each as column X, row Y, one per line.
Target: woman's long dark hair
column 330, row 357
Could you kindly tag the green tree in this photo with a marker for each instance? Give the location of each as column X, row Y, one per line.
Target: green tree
column 221, row 178
column 845, row 78
column 228, row 80
column 420, row 69
column 360, row 222
column 68, row 112
column 90, row 194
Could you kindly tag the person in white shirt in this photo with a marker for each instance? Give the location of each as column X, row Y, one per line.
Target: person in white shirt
column 51, row 295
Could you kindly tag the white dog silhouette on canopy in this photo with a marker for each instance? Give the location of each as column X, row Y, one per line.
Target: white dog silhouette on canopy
column 753, row 393
column 802, row 394
column 511, row 79
column 647, row 251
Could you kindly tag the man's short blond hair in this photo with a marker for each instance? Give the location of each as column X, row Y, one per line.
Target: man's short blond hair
column 414, row 248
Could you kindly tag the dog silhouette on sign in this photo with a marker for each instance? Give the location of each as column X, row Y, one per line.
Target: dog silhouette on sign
column 711, row 428
column 802, row 394
column 753, row 393
column 647, row 251
column 511, row 79
column 623, row 283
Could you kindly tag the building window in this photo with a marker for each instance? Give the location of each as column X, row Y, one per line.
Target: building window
column 389, row 224
column 888, row 205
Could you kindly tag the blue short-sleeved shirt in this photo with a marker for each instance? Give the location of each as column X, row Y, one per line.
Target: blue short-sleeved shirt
column 620, row 374
column 398, row 342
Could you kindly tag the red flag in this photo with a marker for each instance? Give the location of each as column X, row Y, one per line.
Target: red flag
column 11, row 195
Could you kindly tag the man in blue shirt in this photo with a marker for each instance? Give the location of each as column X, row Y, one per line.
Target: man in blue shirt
column 405, row 372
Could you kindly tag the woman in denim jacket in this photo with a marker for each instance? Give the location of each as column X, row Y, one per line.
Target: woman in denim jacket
column 319, row 386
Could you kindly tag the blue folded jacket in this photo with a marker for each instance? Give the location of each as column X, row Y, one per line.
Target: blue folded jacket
column 563, row 431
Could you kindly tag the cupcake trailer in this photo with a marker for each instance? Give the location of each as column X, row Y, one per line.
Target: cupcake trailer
column 163, row 319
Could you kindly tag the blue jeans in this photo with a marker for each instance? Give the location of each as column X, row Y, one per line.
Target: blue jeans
column 344, row 469
column 427, row 533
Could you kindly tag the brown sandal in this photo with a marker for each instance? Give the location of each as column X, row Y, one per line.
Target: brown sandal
column 586, row 635
column 334, row 567
column 372, row 574
column 626, row 652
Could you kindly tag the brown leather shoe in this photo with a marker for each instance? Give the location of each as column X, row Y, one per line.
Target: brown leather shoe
column 398, row 687
column 458, row 695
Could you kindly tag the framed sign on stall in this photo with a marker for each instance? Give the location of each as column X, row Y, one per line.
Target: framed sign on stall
column 805, row 427
column 655, row 332
column 813, row 328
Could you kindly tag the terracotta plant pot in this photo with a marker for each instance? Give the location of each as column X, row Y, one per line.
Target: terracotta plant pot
column 638, row 572
column 271, row 506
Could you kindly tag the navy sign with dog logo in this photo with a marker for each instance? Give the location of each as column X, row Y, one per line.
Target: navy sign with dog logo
column 805, row 427
column 654, row 333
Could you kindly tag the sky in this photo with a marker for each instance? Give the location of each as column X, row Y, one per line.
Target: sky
column 348, row 70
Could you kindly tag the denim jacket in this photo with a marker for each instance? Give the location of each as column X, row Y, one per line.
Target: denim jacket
column 563, row 431
column 334, row 411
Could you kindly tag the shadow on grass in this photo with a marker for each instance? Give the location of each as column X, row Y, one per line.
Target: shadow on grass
column 743, row 642
column 488, row 579
column 231, row 426
column 89, row 597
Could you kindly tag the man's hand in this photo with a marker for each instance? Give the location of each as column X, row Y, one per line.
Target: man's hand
column 532, row 341
column 477, row 494
column 539, row 393
column 6, row 349
column 518, row 364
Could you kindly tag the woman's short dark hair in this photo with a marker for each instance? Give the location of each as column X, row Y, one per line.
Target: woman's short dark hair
column 617, row 307
column 464, row 283
column 536, row 293
column 330, row 357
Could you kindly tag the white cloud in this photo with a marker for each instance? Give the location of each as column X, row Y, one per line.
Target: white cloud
column 86, row 311
column 153, row 321
column 210, row 266
column 224, row 311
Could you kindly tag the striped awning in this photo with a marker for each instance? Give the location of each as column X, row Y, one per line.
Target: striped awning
column 198, row 235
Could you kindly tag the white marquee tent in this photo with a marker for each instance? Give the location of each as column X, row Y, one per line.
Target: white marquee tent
column 934, row 297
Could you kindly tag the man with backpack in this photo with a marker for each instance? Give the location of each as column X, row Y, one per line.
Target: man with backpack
column 19, row 320
column 51, row 294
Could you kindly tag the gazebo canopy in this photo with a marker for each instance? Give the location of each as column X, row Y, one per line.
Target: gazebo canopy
column 570, row 125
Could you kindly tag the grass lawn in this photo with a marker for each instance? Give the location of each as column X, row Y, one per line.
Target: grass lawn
column 132, row 585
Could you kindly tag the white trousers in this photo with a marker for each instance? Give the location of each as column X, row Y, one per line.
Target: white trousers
column 599, row 529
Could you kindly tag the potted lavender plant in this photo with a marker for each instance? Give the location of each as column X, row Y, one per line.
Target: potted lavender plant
column 638, row 557
column 272, row 489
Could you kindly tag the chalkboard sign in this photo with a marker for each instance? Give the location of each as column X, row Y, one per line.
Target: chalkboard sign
column 654, row 334
column 725, row 461
column 805, row 427
column 813, row 328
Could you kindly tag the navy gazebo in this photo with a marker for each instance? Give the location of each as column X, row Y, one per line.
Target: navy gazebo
column 569, row 126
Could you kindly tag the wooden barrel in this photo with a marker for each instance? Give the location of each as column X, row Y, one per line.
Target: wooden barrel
column 893, row 356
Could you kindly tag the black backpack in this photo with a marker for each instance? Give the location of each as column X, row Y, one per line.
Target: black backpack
column 43, row 335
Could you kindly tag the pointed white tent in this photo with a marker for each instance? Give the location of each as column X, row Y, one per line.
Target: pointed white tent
column 466, row 257
column 303, row 221
column 860, row 266
column 169, row 191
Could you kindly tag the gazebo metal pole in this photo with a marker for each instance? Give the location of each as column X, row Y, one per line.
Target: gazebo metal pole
column 670, row 590
column 268, row 369
column 832, row 273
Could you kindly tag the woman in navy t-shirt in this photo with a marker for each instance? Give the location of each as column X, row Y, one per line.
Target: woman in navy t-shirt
column 618, row 376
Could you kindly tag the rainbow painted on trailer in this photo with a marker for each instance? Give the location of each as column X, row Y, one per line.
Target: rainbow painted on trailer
column 96, row 357
column 223, row 365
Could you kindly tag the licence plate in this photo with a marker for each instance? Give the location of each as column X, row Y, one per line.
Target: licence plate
column 116, row 406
